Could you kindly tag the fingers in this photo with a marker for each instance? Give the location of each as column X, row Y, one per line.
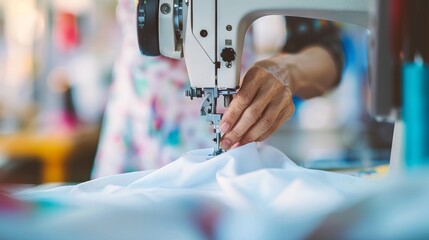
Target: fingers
column 272, row 119
column 250, row 116
column 241, row 101
column 284, row 116
column 264, row 124
column 261, row 105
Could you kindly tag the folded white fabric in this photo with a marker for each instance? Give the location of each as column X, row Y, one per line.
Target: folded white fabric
column 252, row 192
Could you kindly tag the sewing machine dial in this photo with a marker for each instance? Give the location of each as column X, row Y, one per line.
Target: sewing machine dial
column 149, row 13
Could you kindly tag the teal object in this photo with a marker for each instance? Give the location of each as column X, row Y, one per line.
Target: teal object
column 416, row 114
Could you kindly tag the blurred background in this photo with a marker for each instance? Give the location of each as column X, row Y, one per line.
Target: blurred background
column 335, row 131
column 56, row 61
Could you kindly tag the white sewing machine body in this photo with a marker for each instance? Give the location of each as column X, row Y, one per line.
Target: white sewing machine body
column 213, row 26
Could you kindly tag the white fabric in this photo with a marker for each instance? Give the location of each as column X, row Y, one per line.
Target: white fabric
column 253, row 192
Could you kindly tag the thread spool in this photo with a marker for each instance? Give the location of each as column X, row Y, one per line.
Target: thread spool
column 416, row 114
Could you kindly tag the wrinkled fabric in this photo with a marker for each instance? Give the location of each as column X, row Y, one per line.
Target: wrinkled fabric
column 252, row 190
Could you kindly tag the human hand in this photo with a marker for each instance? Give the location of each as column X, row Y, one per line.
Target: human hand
column 261, row 106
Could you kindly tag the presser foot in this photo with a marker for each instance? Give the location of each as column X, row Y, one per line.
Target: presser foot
column 215, row 153
column 208, row 110
column 217, row 150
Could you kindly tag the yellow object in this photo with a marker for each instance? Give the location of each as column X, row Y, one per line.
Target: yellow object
column 51, row 149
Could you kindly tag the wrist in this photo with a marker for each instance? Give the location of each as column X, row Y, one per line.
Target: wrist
column 284, row 68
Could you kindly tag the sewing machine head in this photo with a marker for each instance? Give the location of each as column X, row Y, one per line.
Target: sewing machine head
column 209, row 34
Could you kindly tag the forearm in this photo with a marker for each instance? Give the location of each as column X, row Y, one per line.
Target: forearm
column 308, row 73
column 264, row 101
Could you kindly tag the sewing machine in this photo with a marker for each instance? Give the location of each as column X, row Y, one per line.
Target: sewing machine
column 209, row 34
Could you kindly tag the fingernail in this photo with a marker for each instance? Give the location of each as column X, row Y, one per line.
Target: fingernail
column 224, row 127
column 226, row 144
column 235, row 145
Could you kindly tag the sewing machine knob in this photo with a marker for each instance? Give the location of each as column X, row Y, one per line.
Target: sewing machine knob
column 228, row 55
column 194, row 92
